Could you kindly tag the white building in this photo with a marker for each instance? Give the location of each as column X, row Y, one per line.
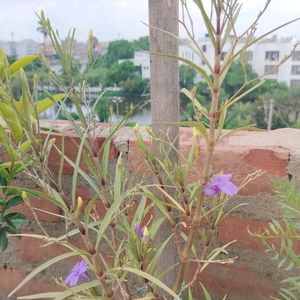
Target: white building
column 263, row 57
column 20, row 48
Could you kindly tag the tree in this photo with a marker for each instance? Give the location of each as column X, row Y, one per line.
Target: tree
column 120, row 72
column 235, row 78
column 120, row 49
column 186, row 76
column 134, row 87
column 102, row 109
column 141, row 44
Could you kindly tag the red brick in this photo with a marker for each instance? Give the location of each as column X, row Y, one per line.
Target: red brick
column 235, row 281
column 42, row 204
column 236, row 228
column 10, row 278
column 71, row 146
column 31, row 250
column 240, row 160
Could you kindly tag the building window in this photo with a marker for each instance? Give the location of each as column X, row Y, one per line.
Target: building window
column 223, row 55
column 296, row 55
column 295, row 82
column 269, row 69
column 204, row 48
column 295, row 70
column 272, row 55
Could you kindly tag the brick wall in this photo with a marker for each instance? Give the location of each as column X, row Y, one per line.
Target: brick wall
column 253, row 276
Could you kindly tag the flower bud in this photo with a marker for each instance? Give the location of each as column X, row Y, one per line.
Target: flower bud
column 25, row 199
column 137, row 128
column 196, row 132
column 79, row 204
column 146, row 235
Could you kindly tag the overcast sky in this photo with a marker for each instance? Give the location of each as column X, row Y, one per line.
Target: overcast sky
column 112, row 19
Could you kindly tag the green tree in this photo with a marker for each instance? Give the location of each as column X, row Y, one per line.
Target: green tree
column 141, row 44
column 120, row 72
column 102, row 109
column 119, row 49
column 235, row 79
column 186, row 76
column 134, row 87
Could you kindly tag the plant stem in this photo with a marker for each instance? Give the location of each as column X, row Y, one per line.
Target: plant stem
column 210, row 151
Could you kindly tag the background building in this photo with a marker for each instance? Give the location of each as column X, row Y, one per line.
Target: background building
column 264, row 58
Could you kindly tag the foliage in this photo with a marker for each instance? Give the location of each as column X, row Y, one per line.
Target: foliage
column 19, row 116
column 141, row 44
column 287, row 231
column 120, row 72
column 117, row 246
column 102, row 109
column 119, row 49
column 73, row 115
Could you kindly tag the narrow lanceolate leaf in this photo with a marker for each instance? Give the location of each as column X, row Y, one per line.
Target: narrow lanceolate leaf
column 187, row 61
column 191, row 96
column 66, row 294
column 9, row 116
column 115, row 206
column 153, row 262
column 195, row 124
column 205, row 292
column 154, row 280
column 21, row 63
column 243, row 128
column 42, row 267
column 46, row 103
column 207, row 21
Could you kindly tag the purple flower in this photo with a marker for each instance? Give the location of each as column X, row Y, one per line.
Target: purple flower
column 139, row 231
column 220, row 184
column 78, row 272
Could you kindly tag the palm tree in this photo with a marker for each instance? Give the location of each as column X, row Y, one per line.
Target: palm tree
column 44, row 32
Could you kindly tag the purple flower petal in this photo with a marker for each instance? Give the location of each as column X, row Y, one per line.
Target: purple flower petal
column 212, row 190
column 220, row 184
column 78, row 272
column 229, row 189
column 139, row 231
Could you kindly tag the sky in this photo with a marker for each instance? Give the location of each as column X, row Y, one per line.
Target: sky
column 113, row 19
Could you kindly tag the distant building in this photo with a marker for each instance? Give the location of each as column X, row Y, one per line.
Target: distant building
column 264, row 58
column 27, row 47
column 142, row 60
column 20, row 48
column 100, row 48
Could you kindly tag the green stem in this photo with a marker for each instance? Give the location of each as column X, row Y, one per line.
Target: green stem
column 210, row 149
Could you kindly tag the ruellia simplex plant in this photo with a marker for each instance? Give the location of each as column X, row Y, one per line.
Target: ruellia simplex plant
column 126, row 269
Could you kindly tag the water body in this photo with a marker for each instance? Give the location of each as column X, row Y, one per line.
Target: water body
column 141, row 115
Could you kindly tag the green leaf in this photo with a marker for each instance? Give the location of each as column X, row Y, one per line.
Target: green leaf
column 6, row 143
column 21, row 63
column 9, row 115
column 3, row 239
column 115, row 206
column 14, row 201
column 195, row 124
column 65, row 294
column 42, row 267
column 153, row 262
column 206, row 294
column 187, row 61
column 207, row 21
column 154, row 280
column 46, row 103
